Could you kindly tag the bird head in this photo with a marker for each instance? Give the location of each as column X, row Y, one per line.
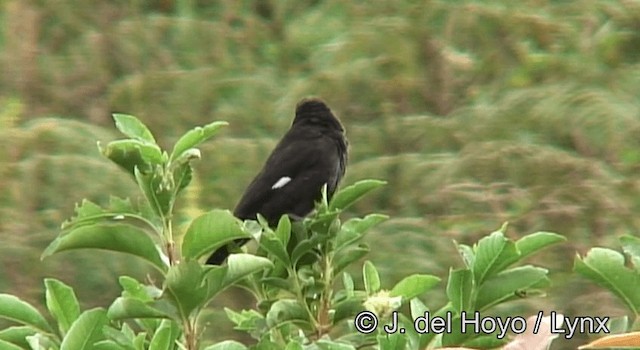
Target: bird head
column 314, row 112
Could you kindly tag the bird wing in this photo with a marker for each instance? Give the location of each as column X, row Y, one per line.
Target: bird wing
column 291, row 179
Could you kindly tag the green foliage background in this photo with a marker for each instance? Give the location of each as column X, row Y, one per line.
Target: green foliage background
column 475, row 113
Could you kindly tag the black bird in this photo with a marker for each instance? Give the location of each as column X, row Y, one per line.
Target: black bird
column 311, row 154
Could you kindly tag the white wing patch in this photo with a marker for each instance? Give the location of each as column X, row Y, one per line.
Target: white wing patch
column 281, row 182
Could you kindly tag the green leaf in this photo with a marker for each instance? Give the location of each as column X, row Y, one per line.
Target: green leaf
column 226, row 345
column 351, row 194
column 17, row 335
column 15, row 309
column 194, row 137
column 303, row 248
column 347, row 308
column 371, row 278
column 631, row 246
column 108, row 345
column 283, row 232
column 40, row 341
column 5, row 345
column 414, row 285
column 507, row 285
column 418, row 308
column 618, row 325
column 606, row 268
column 133, row 154
column 265, row 343
column 182, row 176
column 274, row 246
column 391, row 341
column 125, row 337
column 214, row 277
column 488, row 341
column 159, row 194
column 467, row 254
column 355, row 228
column 119, row 210
column 348, row 255
column 87, row 212
column 133, row 127
column 347, row 282
column 493, row 254
column 186, row 287
column 131, row 288
column 284, row 311
column 247, row 320
column 277, row 282
column 85, row 331
column 127, row 308
column 140, row 341
column 121, row 238
column 240, row 266
column 323, row 223
column 325, row 344
column 211, row 231
column 294, row 345
column 62, row 303
column 534, row 242
column 309, row 279
column 460, row 289
column 165, row 336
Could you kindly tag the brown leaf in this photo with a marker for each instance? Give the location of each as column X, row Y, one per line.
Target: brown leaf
column 617, row 340
column 541, row 340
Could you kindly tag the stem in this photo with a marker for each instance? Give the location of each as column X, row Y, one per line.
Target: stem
column 324, row 323
column 170, row 243
column 301, row 298
column 190, row 336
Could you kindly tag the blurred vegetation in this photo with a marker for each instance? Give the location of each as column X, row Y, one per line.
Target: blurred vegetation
column 475, row 112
